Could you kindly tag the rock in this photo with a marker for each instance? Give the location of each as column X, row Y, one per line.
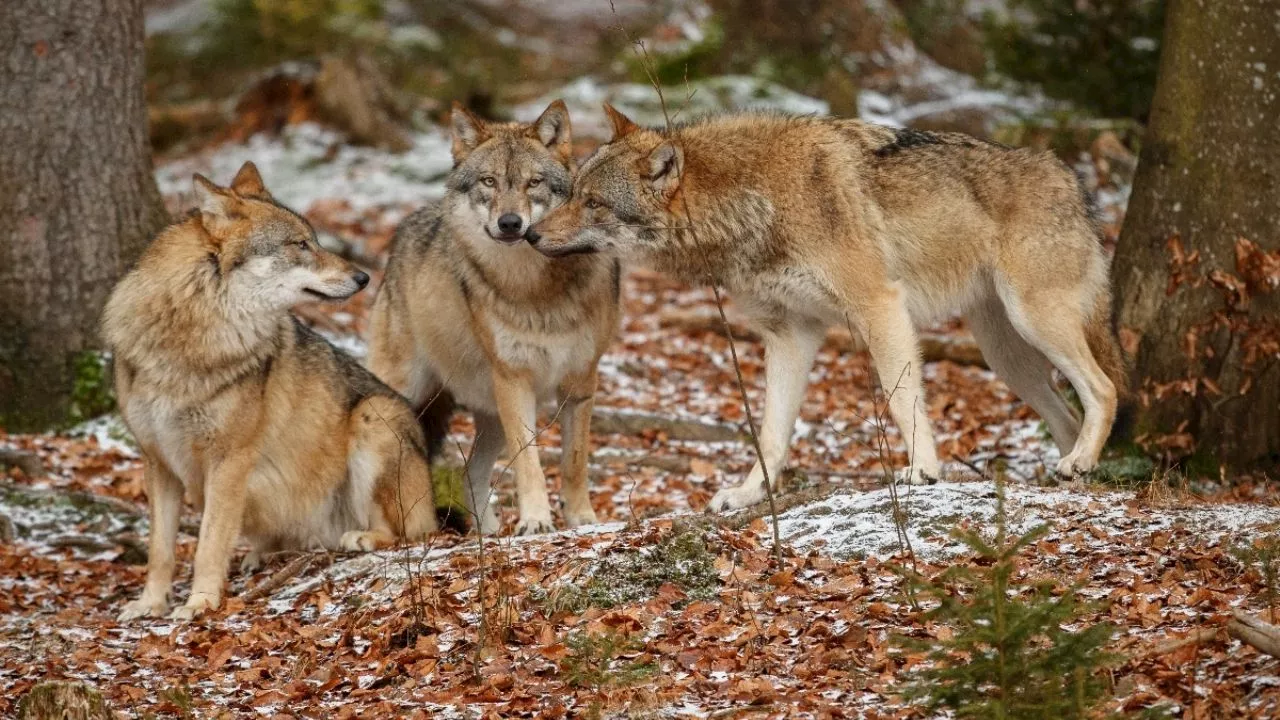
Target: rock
column 63, row 701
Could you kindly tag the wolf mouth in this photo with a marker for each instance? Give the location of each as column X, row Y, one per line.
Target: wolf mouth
column 323, row 296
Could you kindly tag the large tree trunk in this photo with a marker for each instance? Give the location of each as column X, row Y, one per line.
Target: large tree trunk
column 77, row 199
column 1198, row 264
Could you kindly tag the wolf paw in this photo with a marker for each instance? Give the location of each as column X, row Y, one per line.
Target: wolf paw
column 578, row 519
column 358, row 541
column 915, row 476
column 739, row 496
column 195, row 606
column 251, row 563
column 142, row 608
column 535, row 525
column 1074, row 465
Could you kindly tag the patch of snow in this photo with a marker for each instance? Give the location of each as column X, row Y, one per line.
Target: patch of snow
column 110, row 433
column 307, row 163
column 861, row 524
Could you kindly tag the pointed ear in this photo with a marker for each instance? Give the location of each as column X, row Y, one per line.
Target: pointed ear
column 248, row 182
column 215, row 204
column 552, row 129
column 622, row 125
column 666, row 164
column 468, row 132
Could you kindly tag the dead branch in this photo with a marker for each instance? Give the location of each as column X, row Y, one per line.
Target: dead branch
column 1197, row 637
column 608, row 421
column 1253, row 631
column 294, row 568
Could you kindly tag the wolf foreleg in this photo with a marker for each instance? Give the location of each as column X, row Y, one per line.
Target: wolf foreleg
column 517, row 406
column 164, row 496
column 219, row 528
column 575, row 439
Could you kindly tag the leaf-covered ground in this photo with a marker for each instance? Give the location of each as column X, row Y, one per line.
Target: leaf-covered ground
column 660, row 611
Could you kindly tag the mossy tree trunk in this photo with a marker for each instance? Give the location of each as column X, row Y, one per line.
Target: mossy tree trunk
column 77, row 199
column 1197, row 269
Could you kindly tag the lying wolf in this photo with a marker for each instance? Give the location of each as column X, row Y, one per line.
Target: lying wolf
column 813, row 221
column 266, row 426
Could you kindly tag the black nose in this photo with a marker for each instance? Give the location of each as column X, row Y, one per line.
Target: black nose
column 532, row 237
column 361, row 278
column 510, row 223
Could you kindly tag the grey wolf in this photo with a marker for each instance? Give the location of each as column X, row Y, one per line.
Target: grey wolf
column 469, row 312
column 266, row 426
column 812, row 221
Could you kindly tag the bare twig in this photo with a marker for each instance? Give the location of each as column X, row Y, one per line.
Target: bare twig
column 294, row 568
column 647, row 64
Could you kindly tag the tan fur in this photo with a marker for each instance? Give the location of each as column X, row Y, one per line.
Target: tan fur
column 817, row 221
column 267, row 428
column 474, row 314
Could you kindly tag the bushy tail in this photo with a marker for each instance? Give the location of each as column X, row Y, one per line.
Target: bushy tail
column 1100, row 332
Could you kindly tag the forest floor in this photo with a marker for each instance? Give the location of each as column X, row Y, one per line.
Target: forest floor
column 660, row 610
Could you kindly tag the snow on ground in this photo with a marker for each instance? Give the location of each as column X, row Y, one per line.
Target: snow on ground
column 307, row 163
column 856, row 525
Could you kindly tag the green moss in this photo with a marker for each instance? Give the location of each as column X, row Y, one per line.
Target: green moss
column 91, row 390
column 682, row 558
column 447, row 485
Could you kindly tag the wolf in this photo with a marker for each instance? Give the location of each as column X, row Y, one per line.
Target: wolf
column 267, row 427
column 813, row 221
column 469, row 312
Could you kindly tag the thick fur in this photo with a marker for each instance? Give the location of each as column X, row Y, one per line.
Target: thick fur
column 264, row 425
column 470, row 312
column 814, row 221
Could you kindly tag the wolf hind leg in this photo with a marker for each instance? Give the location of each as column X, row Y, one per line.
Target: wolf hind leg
column 1058, row 330
column 390, row 477
column 789, row 355
column 1024, row 369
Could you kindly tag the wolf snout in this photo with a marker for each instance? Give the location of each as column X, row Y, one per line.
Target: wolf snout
column 361, row 279
column 532, row 236
column 510, row 224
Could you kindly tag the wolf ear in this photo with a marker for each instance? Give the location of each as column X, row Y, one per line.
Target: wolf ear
column 248, row 182
column 468, row 132
column 622, row 125
column 215, row 204
column 666, row 164
column 552, row 129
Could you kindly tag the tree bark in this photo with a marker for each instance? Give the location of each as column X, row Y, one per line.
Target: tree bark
column 1197, row 268
column 78, row 202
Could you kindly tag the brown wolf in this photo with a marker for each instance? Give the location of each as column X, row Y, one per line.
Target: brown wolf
column 469, row 310
column 267, row 427
column 814, row 221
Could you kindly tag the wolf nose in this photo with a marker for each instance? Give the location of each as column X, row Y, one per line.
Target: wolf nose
column 361, row 278
column 532, row 237
column 510, row 223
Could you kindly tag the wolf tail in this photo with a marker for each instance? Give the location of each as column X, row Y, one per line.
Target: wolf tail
column 1104, row 343
column 434, row 416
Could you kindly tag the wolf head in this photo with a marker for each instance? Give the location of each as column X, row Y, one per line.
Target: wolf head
column 510, row 174
column 266, row 253
column 622, row 196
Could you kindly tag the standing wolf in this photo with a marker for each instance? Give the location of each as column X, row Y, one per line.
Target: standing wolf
column 264, row 424
column 817, row 221
column 469, row 310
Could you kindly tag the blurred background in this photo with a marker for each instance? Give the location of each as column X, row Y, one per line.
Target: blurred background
column 1073, row 75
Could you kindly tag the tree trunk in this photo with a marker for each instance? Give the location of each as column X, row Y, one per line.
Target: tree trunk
column 1198, row 264
column 77, row 199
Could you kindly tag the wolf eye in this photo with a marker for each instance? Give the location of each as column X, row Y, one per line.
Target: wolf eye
column 488, row 181
column 593, row 203
column 535, row 182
